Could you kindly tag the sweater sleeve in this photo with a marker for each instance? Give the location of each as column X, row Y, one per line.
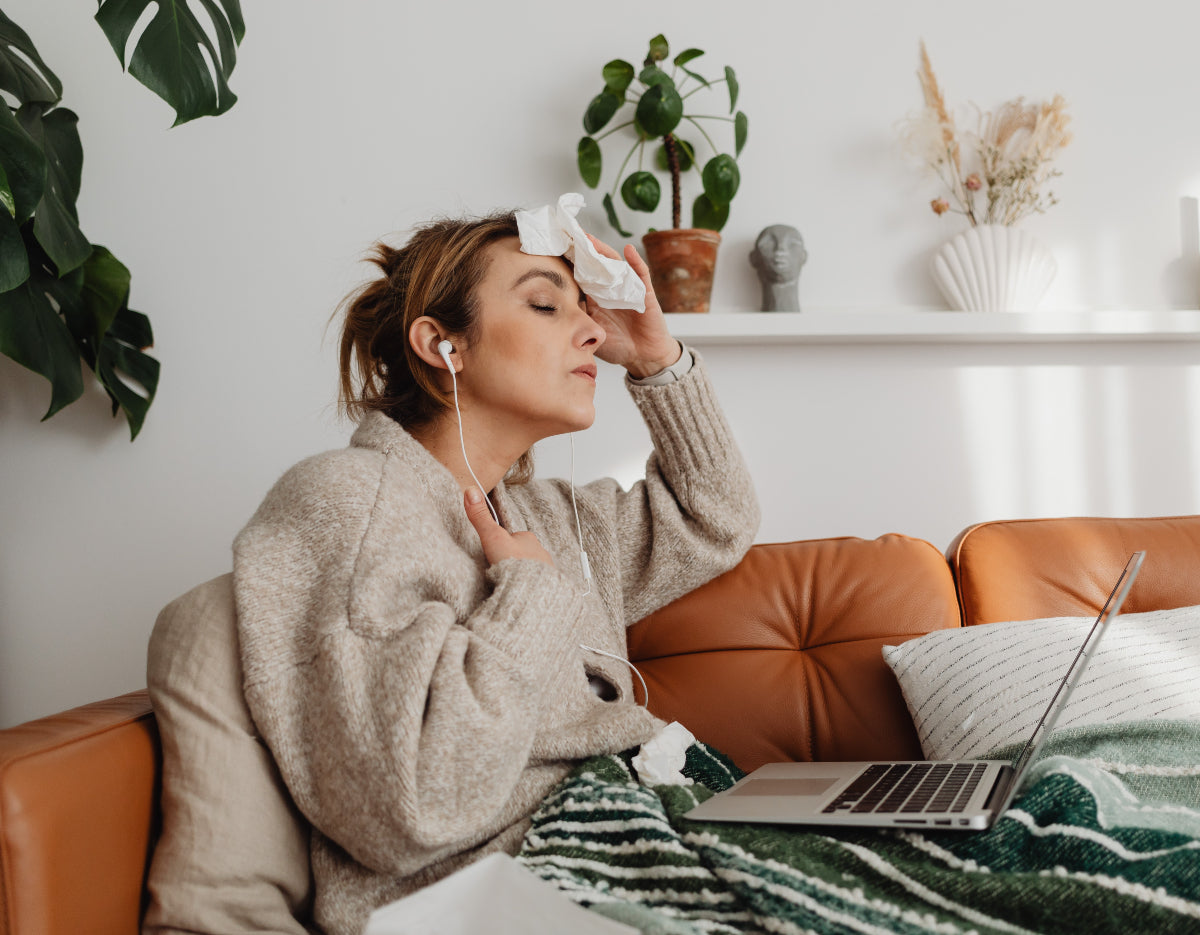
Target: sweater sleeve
column 397, row 679
column 694, row 515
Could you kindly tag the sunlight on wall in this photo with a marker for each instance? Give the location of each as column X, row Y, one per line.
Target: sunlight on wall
column 1049, row 440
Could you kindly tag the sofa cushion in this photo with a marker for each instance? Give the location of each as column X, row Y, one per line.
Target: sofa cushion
column 233, row 856
column 974, row 689
column 779, row 658
column 1029, row 569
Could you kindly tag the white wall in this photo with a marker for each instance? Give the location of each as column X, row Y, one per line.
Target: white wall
column 244, row 232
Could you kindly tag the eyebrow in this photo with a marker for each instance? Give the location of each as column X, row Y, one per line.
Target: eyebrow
column 554, row 277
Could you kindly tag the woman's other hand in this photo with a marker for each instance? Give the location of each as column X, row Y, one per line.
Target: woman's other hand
column 498, row 543
column 640, row 343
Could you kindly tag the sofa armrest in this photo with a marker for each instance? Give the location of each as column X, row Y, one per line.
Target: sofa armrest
column 780, row 658
column 1033, row 568
column 77, row 810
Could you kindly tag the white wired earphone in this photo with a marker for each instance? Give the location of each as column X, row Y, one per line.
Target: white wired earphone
column 445, row 349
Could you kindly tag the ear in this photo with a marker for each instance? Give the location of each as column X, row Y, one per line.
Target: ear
column 424, row 335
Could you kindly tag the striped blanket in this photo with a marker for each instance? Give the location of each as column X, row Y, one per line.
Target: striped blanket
column 1104, row 837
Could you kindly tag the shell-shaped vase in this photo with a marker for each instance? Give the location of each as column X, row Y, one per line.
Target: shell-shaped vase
column 992, row 268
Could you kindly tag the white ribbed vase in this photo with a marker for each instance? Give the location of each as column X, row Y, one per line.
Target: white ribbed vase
column 992, row 268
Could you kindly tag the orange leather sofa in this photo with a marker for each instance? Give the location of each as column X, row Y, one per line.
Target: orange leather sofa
column 779, row 659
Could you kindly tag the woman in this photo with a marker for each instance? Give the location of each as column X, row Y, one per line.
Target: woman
column 423, row 673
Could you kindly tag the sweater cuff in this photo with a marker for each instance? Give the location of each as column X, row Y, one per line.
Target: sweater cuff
column 677, row 371
column 687, row 425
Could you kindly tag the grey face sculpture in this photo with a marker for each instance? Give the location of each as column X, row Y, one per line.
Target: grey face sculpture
column 777, row 256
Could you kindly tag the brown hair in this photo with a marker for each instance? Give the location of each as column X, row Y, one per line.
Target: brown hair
column 435, row 273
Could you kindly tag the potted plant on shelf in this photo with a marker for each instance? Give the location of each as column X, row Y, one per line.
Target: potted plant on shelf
column 681, row 260
column 64, row 299
column 994, row 176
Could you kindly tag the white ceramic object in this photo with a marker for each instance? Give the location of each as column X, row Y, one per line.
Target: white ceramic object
column 992, row 268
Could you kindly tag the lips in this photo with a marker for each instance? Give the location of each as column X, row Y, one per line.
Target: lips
column 587, row 370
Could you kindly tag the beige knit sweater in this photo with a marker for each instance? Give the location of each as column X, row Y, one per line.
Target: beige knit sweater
column 419, row 703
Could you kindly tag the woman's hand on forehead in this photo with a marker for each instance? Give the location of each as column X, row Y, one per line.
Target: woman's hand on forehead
column 641, row 343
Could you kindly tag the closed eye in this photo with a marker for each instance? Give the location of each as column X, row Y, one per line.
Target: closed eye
column 544, row 309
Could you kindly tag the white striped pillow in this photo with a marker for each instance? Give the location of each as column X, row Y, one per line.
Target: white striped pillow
column 973, row 689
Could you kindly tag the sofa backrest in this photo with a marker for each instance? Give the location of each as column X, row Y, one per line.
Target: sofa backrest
column 1034, row 568
column 780, row 658
column 77, row 806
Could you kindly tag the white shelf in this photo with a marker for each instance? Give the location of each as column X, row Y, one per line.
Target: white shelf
column 933, row 327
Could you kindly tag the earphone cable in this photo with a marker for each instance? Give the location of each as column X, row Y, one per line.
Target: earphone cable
column 583, row 556
column 463, row 443
column 645, row 690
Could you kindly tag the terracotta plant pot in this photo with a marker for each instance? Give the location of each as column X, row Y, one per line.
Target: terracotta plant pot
column 682, row 262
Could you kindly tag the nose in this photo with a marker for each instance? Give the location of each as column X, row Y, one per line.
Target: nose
column 591, row 334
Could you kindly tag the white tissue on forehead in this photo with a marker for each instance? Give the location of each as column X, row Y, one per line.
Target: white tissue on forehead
column 553, row 231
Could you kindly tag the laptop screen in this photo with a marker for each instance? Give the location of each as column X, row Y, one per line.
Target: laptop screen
column 1062, row 694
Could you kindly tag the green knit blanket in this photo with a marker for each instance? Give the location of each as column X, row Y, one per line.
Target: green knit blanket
column 1103, row 837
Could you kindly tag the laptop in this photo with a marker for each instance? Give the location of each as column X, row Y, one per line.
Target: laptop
column 961, row 795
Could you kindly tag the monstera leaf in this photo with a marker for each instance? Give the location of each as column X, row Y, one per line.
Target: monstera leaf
column 64, row 301
column 169, row 57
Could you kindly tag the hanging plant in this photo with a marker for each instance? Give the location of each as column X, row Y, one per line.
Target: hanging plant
column 63, row 299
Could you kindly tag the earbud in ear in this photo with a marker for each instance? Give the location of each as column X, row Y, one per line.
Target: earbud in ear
column 444, row 348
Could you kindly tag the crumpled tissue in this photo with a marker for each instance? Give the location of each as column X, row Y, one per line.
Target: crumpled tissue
column 553, row 231
column 660, row 760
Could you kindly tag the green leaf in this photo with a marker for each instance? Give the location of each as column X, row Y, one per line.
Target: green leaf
column 24, row 164
column 708, row 215
column 109, row 335
column 618, row 76
column 659, row 50
column 56, row 222
column 686, row 56
column 169, row 58
column 652, row 75
column 6, row 196
column 641, row 191
column 33, row 334
column 659, row 110
column 684, row 152
column 601, row 110
column 121, row 355
column 14, row 261
column 590, row 161
column 105, row 289
column 27, row 78
column 731, row 79
column 611, row 211
column 741, row 125
column 721, row 179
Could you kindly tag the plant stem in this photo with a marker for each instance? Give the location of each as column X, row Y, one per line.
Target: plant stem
column 673, row 165
column 621, row 171
column 701, row 87
column 610, row 130
column 716, row 152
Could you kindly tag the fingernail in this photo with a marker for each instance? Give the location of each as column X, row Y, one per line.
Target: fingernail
column 474, row 496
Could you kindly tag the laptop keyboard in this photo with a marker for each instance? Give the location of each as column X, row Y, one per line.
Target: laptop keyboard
column 907, row 788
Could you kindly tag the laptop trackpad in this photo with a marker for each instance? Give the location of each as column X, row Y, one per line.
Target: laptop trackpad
column 814, row 786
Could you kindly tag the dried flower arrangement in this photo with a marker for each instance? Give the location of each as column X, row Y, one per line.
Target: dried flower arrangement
column 997, row 173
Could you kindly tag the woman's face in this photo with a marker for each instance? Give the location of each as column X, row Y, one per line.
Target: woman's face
column 531, row 369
